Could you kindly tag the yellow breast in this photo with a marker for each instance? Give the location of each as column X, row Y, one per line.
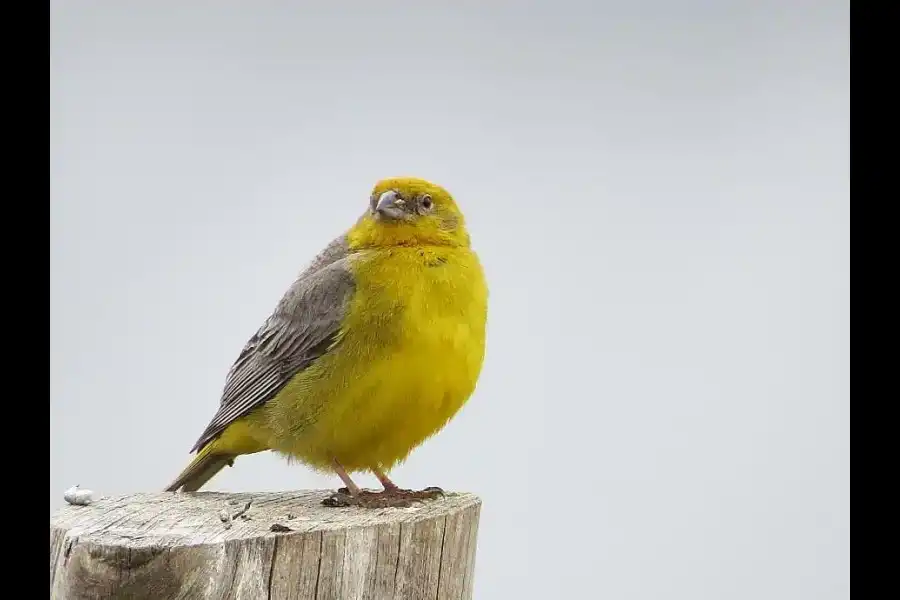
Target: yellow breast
column 409, row 356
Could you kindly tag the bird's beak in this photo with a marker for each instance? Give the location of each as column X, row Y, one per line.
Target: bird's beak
column 389, row 205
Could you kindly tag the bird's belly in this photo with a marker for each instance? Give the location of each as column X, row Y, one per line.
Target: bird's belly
column 395, row 403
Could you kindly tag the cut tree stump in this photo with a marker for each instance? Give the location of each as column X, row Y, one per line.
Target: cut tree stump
column 204, row 545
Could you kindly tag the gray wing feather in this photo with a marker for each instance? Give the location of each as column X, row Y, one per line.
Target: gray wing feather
column 301, row 329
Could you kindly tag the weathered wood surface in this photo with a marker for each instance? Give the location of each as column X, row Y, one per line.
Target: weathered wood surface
column 161, row 546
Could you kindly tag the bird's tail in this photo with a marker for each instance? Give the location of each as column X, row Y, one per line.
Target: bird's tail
column 204, row 467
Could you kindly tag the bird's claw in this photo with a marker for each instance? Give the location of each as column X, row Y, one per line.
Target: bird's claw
column 339, row 499
column 393, row 498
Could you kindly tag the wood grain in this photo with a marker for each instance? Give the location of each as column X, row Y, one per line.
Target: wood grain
column 161, row 546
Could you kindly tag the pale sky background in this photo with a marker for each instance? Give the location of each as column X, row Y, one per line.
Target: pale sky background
column 659, row 191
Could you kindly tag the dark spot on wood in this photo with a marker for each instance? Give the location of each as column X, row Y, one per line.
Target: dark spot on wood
column 243, row 511
column 69, row 545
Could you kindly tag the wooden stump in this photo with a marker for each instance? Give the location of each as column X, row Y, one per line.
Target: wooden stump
column 285, row 545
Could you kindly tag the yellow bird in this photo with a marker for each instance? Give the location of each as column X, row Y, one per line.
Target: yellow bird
column 373, row 349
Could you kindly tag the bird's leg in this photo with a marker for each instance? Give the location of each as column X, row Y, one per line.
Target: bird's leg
column 352, row 488
column 389, row 486
column 391, row 496
column 346, row 495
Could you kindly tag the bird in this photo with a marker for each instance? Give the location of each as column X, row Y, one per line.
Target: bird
column 374, row 348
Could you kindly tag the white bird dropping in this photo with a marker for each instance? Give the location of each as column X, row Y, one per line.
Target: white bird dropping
column 77, row 496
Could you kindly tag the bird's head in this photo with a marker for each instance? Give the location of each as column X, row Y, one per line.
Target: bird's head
column 407, row 211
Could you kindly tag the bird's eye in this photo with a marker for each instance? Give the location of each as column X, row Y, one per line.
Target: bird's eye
column 426, row 202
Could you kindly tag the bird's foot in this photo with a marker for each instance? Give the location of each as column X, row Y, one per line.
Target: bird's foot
column 388, row 498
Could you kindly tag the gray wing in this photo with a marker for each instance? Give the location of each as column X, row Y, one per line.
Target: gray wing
column 301, row 329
